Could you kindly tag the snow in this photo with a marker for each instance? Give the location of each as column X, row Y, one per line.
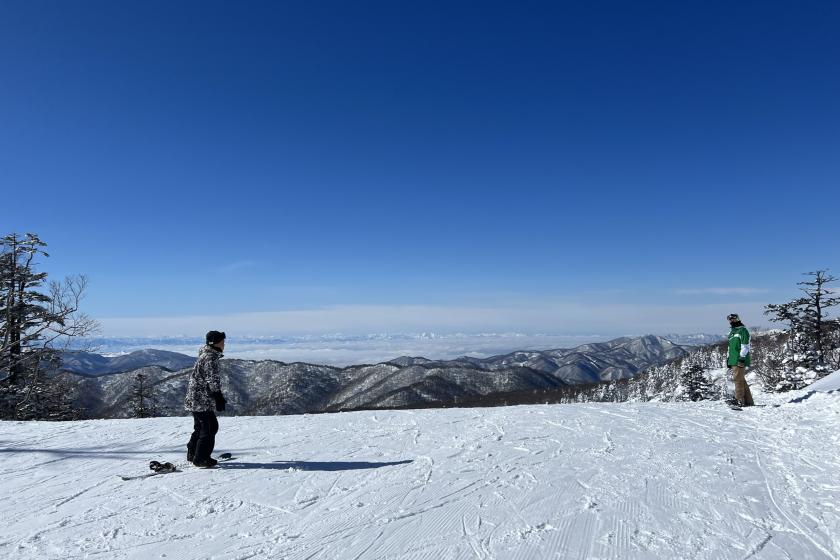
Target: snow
column 586, row 481
column 828, row 383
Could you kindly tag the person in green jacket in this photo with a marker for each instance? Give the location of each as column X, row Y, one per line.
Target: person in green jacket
column 738, row 359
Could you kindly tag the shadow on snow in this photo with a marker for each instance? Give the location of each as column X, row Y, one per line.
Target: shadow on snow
column 104, row 452
column 313, row 465
column 91, row 452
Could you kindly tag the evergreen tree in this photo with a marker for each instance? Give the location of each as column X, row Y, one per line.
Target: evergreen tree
column 697, row 386
column 143, row 398
column 811, row 339
column 818, row 299
column 832, row 354
column 35, row 320
column 45, row 395
column 23, row 306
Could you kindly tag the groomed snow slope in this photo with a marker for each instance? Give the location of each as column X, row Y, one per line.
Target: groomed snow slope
column 611, row 481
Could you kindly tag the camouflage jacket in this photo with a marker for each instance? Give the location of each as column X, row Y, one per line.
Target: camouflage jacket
column 204, row 380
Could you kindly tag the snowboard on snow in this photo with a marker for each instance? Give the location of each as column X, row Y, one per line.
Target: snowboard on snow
column 159, row 468
column 735, row 406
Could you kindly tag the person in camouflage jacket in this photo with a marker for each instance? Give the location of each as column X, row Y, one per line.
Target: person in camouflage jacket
column 738, row 359
column 204, row 397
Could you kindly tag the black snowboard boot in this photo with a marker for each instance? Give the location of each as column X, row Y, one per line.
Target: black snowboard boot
column 190, row 453
column 208, row 463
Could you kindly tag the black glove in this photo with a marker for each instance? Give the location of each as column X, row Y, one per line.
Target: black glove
column 742, row 363
column 220, row 400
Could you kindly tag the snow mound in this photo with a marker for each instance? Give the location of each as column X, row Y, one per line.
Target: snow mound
column 827, row 384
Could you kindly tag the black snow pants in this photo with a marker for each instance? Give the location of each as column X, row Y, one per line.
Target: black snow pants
column 203, row 440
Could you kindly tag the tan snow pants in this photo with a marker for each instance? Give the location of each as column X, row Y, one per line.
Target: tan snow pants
column 742, row 390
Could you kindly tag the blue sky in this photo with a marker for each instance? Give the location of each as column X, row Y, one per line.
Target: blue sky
column 286, row 167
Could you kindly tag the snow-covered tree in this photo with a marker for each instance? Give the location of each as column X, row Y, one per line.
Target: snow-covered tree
column 832, row 353
column 811, row 341
column 36, row 319
column 22, row 306
column 696, row 384
column 45, row 395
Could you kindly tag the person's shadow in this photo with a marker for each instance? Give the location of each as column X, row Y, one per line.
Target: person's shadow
column 312, row 465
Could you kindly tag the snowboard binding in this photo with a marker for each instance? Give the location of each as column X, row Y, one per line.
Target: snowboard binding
column 159, row 467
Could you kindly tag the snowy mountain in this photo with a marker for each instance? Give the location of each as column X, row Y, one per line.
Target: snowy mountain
column 87, row 363
column 269, row 387
column 621, row 358
column 629, row 481
column 699, row 339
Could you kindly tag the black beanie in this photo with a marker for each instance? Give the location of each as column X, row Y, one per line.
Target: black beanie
column 214, row 337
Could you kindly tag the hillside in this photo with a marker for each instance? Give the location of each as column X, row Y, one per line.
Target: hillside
column 700, row 373
column 268, row 387
column 91, row 364
column 622, row 481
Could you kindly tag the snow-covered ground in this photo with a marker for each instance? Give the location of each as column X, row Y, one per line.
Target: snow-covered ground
column 611, row 481
column 826, row 384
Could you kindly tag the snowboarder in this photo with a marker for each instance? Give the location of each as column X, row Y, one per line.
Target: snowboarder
column 204, row 395
column 738, row 359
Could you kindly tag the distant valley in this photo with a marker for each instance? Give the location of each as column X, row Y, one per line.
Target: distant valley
column 104, row 387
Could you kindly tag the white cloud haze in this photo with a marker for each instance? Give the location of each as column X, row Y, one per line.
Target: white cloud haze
column 541, row 317
column 722, row 291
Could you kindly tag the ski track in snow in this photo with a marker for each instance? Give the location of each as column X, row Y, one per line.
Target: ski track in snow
column 586, row 481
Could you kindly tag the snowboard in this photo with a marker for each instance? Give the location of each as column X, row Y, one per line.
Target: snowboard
column 168, row 468
column 157, row 467
column 738, row 407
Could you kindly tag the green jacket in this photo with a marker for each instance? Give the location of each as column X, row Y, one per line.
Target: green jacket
column 739, row 346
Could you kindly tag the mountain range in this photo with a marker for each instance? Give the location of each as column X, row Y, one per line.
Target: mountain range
column 106, row 387
column 91, row 364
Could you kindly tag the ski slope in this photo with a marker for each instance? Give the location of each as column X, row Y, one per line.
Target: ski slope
column 587, row 481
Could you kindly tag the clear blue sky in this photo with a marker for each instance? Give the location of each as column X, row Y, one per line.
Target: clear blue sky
column 216, row 158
